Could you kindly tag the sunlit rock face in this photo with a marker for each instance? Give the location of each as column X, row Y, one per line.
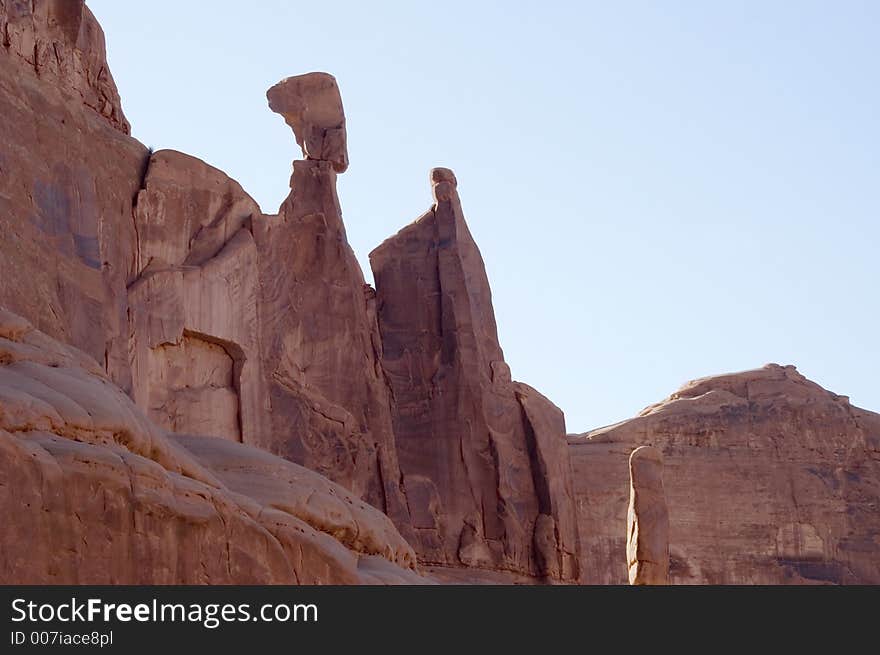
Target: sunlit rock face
column 192, row 390
column 312, row 106
column 68, row 178
column 61, row 41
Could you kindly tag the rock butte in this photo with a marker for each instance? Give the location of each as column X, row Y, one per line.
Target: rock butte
column 193, row 391
column 769, row 479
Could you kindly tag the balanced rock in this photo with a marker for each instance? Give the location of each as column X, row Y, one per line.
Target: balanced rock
column 312, row 106
column 62, row 42
column 647, row 519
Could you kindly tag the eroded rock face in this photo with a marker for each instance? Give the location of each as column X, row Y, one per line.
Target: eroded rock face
column 240, row 329
column 63, row 43
column 483, row 459
column 647, row 519
column 312, row 106
column 95, row 493
column 328, row 401
column 192, row 310
column 769, row 479
column 150, row 264
column 68, row 178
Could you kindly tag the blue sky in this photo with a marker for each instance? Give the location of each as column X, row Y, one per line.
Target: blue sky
column 661, row 191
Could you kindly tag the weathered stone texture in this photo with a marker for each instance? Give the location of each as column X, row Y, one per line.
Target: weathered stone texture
column 150, row 264
column 193, row 318
column 94, row 493
column 483, row 459
column 68, row 179
column 647, row 519
column 769, row 479
column 63, row 44
column 328, row 401
column 239, row 329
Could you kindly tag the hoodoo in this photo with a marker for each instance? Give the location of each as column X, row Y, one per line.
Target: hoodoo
column 484, row 462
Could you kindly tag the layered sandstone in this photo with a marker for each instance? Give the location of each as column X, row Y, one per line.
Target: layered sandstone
column 257, row 328
column 328, row 402
column 193, row 391
column 483, row 458
column 95, row 493
column 769, row 479
column 193, row 328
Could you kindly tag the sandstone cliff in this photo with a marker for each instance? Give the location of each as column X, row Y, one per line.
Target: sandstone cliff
column 68, row 177
column 769, row 479
column 64, row 44
column 94, row 493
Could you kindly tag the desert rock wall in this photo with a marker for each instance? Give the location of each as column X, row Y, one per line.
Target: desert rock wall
column 61, row 41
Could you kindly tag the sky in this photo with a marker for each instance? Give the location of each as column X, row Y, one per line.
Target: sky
column 660, row 191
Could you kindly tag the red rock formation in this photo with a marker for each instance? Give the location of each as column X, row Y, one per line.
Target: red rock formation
column 68, row 176
column 94, row 493
column 193, row 320
column 483, row 459
column 769, row 479
column 647, row 519
column 64, row 44
column 256, row 328
column 328, row 402
column 312, row 107
column 153, row 267
column 240, row 329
